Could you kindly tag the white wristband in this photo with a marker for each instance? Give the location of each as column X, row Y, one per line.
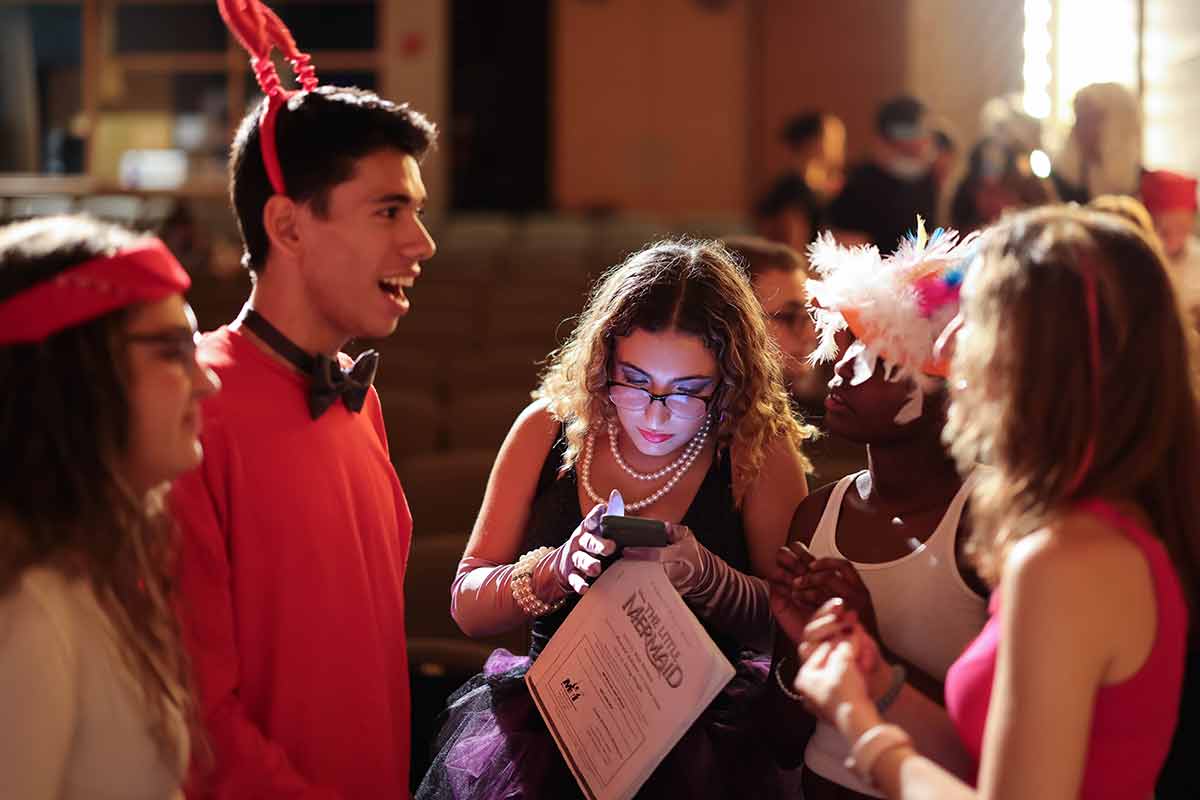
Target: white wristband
column 871, row 745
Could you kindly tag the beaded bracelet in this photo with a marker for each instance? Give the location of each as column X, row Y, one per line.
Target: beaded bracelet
column 522, row 585
column 788, row 692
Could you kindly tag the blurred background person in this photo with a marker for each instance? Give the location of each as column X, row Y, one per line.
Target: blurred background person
column 884, row 195
column 999, row 173
column 1170, row 197
column 816, row 143
column 998, row 179
column 1103, row 152
column 778, row 275
column 794, row 206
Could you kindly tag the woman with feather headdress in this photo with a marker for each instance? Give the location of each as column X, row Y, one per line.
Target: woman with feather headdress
column 889, row 540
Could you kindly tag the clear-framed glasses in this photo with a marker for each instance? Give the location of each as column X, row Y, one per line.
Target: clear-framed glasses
column 635, row 398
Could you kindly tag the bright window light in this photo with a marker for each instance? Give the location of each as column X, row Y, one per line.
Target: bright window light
column 1072, row 43
column 1038, row 47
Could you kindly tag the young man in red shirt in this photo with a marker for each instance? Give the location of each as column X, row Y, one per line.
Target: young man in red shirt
column 295, row 528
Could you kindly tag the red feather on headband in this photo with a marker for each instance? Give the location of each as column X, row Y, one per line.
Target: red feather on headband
column 259, row 30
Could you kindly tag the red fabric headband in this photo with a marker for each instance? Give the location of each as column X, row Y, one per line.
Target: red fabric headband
column 140, row 274
column 258, row 29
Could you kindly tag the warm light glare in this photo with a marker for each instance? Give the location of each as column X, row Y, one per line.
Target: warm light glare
column 1037, row 104
column 1037, row 13
column 1036, row 71
column 1097, row 42
column 1072, row 43
column 1039, row 163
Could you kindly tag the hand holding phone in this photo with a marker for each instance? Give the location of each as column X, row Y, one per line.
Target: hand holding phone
column 634, row 531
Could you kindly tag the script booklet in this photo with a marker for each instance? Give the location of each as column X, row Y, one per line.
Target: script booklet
column 624, row 677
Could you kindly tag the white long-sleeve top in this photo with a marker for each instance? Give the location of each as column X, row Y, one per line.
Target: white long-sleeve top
column 73, row 723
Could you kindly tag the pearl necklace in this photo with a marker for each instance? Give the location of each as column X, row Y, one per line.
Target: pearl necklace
column 695, row 444
column 586, row 474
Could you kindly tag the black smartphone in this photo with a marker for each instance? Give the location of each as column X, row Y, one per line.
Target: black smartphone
column 634, row 531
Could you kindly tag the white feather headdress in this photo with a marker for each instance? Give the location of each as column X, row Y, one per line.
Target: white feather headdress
column 895, row 305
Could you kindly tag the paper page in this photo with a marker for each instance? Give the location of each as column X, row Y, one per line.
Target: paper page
column 621, row 681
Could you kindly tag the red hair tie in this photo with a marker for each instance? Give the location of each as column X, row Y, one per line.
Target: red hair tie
column 258, row 29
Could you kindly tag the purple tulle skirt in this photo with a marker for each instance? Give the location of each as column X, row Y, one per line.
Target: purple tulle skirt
column 493, row 744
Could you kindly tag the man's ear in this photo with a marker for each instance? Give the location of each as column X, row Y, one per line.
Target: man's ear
column 281, row 219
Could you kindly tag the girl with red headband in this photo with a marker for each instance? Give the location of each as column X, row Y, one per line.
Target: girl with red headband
column 1073, row 376
column 100, row 410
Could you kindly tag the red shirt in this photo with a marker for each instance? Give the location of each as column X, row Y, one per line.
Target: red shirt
column 295, row 542
column 1132, row 721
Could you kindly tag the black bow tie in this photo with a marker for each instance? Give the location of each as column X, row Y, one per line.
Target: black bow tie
column 328, row 380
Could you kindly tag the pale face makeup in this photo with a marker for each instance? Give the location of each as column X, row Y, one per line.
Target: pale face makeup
column 662, row 362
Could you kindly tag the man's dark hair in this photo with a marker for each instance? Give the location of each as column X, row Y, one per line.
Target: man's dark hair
column 761, row 255
column 803, row 128
column 319, row 135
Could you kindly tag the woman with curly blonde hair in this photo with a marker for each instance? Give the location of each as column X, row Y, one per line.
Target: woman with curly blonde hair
column 669, row 399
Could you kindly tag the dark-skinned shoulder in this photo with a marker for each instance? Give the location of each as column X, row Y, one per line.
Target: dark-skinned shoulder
column 808, row 515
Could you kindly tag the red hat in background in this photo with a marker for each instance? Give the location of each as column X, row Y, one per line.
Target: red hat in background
column 1163, row 190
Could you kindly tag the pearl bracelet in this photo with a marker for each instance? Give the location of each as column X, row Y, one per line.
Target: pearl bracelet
column 522, row 585
column 787, row 691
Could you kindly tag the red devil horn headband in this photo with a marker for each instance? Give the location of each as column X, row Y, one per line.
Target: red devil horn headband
column 258, row 29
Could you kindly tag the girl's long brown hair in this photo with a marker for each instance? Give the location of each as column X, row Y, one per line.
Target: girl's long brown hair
column 1022, row 378
column 64, row 500
column 696, row 287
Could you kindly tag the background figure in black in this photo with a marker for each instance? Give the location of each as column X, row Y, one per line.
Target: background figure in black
column 816, row 142
column 883, row 196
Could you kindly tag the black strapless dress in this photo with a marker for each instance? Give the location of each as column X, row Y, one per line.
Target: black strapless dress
column 493, row 744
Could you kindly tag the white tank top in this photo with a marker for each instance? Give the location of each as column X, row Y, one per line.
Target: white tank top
column 927, row 614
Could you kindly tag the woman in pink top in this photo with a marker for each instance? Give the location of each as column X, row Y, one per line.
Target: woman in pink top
column 1073, row 377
